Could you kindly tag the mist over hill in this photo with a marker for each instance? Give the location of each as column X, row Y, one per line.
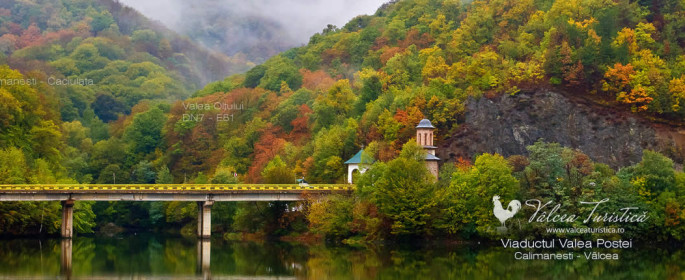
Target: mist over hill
column 257, row 29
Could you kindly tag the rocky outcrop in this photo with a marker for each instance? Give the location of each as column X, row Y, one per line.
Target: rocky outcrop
column 507, row 124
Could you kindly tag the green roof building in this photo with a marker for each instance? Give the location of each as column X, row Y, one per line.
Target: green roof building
column 360, row 162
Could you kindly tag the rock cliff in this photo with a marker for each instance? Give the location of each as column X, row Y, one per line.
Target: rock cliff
column 507, row 124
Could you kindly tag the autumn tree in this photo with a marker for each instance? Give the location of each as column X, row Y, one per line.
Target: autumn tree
column 676, row 88
column 618, row 80
column 266, row 148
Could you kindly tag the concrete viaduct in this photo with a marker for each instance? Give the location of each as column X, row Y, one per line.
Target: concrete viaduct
column 204, row 194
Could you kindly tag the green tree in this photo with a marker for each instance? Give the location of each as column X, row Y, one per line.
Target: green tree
column 468, row 206
column 143, row 173
column 145, row 40
column 145, row 133
column 332, row 216
column 546, row 168
column 653, row 175
column 260, row 217
column 280, row 69
column 84, row 218
column 371, row 89
column 13, row 166
column 224, row 175
column 330, row 147
column 28, row 123
column 223, row 214
column 180, row 212
column 403, row 191
column 277, row 172
column 110, row 154
column 112, row 174
column 254, row 76
column 201, row 178
column 101, row 21
column 395, row 30
column 28, row 217
column 87, row 58
column 164, row 176
column 333, row 107
column 107, row 108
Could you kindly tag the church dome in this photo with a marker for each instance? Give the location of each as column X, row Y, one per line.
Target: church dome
column 425, row 123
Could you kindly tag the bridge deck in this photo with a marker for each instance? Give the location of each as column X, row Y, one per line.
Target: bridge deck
column 168, row 192
column 172, row 187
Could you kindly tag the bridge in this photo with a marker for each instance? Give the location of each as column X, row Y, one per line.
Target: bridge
column 204, row 194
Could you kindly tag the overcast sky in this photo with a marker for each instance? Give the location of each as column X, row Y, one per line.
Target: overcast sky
column 301, row 18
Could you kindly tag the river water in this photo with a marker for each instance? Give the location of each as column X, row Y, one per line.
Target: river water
column 150, row 256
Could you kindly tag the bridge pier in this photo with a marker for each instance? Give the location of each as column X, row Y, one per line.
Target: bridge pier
column 67, row 219
column 204, row 219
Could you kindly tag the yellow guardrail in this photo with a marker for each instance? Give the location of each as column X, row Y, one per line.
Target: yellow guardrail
column 176, row 187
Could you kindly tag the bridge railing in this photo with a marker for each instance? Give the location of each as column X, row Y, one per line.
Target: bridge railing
column 174, row 187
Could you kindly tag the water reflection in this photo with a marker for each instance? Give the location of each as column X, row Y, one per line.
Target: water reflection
column 204, row 257
column 150, row 256
column 65, row 257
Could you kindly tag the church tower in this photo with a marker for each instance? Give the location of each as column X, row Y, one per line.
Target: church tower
column 424, row 137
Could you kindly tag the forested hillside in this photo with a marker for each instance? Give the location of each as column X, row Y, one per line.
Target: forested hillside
column 69, row 70
column 371, row 81
column 305, row 111
column 125, row 55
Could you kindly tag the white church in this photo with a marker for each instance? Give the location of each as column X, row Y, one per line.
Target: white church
column 424, row 137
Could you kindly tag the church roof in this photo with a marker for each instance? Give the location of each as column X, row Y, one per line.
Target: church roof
column 359, row 157
column 431, row 157
column 425, row 123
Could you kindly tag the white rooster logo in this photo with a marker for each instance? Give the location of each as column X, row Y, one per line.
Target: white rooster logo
column 504, row 214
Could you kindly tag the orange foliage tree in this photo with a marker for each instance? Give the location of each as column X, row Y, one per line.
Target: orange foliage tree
column 317, row 80
column 32, row 36
column 617, row 80
column 266, row 148
column 408, row 119
column 301, row 123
